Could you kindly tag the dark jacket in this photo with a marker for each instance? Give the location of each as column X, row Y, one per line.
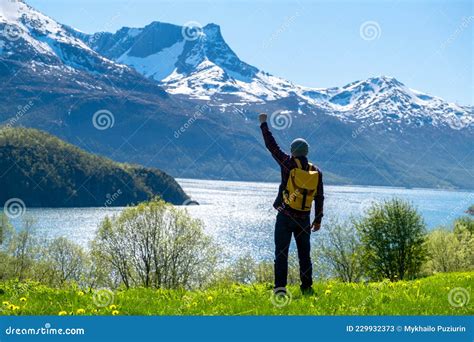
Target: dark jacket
column 287, row 163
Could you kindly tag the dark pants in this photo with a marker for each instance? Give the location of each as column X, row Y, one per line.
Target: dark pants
column 285, row 227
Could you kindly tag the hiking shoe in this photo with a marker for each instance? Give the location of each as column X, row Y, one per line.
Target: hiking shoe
column 307, row 291
column 279, row 291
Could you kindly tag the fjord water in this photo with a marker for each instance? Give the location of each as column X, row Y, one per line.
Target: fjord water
column 240, row 216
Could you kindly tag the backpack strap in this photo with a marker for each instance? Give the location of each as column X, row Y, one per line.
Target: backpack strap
column 311, row 167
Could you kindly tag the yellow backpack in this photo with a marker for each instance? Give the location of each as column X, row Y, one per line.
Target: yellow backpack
column 301, row 187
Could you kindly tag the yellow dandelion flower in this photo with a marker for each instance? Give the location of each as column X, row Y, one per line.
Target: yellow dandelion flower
column 5, row 303
column 327, row 292
column 62, row 313
column 80, row 311
column 115, row 313
column 22, row 299
column 15, row 307
column 113, row 307
column 210, row 298
column 80, row 293
column 11, row 306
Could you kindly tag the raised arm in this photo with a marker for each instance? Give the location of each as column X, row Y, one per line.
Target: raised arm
column 270, row 142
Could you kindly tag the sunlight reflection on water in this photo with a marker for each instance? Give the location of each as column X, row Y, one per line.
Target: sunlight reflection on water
column 240, row 216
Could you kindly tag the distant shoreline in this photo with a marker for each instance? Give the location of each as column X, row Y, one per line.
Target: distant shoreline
column 338, row 185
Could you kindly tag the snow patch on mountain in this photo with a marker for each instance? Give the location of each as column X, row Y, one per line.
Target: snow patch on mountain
column 385, row 98
column 28, row 22
column 133, row 32
column 28, row 32
column 156, row 66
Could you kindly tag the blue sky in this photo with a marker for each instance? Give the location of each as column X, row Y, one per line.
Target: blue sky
column 428, row 45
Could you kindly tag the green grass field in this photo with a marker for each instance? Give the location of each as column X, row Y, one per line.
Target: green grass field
column 442, row 294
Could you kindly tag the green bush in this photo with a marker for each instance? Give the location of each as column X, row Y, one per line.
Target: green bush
column 65, row 260
column 24, row 249
column 465, row 222
column 447, row 252
column 392, row 236
column 6, row 231
column 156, row 245
column 340, row 251
column 246, row 270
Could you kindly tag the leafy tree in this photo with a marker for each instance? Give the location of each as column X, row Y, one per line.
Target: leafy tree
column 23, row 249
column 464, row 222
column 341, row 251
column 97, row 272
column 442, row 247
column 243, row 270
column 156, row 245
column 464, row 231
column 448, row 251
column 6, row 231
column 392, row 236
column 66, row 260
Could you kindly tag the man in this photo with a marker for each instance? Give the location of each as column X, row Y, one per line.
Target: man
column 289, row 220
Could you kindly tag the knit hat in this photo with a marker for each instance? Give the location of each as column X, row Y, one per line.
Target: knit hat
column 299, row 148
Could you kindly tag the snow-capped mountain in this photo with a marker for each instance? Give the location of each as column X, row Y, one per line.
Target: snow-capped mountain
column 204, row 125
column 33, row 45
column 203, row 67
column 28, row 33
column 383, row 98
